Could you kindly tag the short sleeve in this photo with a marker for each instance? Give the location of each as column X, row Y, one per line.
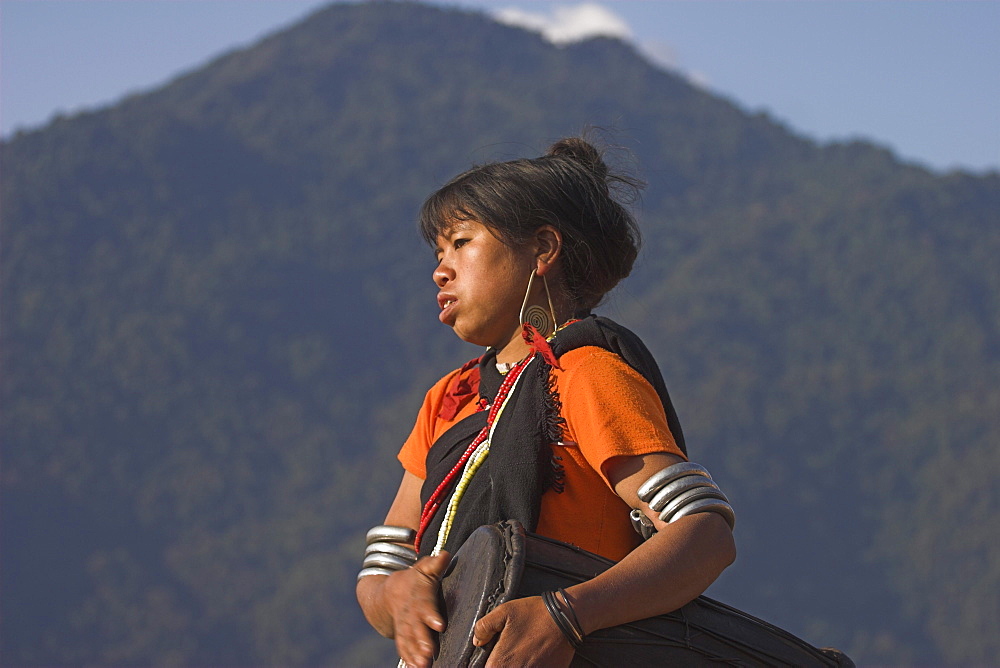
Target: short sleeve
column 450, row 400
column 413, row 454
column 610, row 409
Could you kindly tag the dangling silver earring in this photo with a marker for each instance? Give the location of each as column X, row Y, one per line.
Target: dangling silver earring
column 535, row 315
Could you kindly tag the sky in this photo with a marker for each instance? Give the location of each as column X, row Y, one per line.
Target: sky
column 921, row 78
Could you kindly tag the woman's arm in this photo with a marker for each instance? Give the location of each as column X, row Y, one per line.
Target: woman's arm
column 669, row 570
column 403, row 606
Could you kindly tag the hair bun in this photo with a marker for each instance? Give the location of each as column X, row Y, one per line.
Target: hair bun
column 582, row 152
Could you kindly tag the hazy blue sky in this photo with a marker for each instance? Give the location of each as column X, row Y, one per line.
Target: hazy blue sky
column 922, row 78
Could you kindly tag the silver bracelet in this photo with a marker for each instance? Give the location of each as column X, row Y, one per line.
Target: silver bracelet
column 384, row 532
column 383, row 553
column 365, row 572
column 676, row 487
column 656, row 481
column 677, row 491
column 688, row 496
column 401, row 551
column 384, row 560
column 708, row 506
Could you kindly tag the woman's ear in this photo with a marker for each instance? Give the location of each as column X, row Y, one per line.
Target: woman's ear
column 548, row 247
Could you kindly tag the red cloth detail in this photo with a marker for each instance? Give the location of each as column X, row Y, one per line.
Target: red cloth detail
column 535, row 339
column 462, row 386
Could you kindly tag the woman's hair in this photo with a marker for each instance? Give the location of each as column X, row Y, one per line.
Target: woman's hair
column 569, row 188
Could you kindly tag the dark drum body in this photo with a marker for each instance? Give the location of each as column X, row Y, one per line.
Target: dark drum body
column 501, row 562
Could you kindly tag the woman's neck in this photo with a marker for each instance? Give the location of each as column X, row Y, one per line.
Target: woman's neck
column 515, row 351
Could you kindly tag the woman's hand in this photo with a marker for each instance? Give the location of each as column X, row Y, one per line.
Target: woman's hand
column 411, row 596
column 528, row 636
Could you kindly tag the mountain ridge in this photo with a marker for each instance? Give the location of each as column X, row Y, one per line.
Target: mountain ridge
column 257, row 47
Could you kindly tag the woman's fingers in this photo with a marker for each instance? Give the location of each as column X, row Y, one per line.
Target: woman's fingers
column 416, row 644
column 525, row 635
column 417, row 616
column 435, row 565
column 490, row 625
column 431, row 569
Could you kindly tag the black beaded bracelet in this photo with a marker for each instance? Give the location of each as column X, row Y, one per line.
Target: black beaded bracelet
column 569, row 629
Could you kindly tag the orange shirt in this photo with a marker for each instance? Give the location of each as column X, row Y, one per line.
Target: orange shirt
column 610, row 411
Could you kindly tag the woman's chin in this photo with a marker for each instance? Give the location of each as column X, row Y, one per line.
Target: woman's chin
column 471, row 338
column 474, row 337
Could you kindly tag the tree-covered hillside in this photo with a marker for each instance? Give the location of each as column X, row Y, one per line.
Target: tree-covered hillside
column 218, row 322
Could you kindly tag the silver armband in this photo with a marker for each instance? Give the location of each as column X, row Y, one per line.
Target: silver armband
column 383, row 554
column 679, row 490
column 384, row 532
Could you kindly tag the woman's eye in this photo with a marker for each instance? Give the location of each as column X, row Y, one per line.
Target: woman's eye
column 460, row 242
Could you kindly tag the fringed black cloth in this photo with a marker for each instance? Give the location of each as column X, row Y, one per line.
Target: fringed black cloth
column 520, row 466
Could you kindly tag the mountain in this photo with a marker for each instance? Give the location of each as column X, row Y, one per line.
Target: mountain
column 218, row 322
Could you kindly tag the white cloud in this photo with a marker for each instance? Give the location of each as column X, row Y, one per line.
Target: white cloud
column 698, row 79
column 568, row 23
column 660, row 52
column 663, row 54
column 573, row 23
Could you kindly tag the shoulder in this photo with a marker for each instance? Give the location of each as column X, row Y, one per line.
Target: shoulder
column 440, row 387
column 453, row 391
column 588, row 355
column 443, row 403
column 595, row 383
column 610, row 409
column 593, row 364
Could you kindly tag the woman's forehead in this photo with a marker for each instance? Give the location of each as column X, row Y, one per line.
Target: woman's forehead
column 454, row 225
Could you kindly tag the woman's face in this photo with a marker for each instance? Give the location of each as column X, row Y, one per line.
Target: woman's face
column 481, row 284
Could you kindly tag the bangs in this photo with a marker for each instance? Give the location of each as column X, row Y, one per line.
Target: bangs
column 504, row 197
column 442, row 209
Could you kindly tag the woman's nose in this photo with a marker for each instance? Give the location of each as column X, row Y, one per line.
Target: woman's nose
column 442, row 274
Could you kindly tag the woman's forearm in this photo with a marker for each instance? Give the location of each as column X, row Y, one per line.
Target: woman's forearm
column 669, row 570
column 374, row 592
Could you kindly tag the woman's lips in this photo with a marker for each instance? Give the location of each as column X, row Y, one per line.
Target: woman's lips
column 447, row 303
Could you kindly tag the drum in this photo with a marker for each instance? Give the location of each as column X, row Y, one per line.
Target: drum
column 501, row 562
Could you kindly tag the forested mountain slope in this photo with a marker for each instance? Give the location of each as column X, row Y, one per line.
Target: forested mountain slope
column 218, row 322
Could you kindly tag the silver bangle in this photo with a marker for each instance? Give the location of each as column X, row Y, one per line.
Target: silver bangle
column 717, row 506
column 401, row 551
column 673, row 489
column 390, row 534
column 687, row 497
column 383, row 556
column 667, row 475
column 365, row 572
column 385, row 561
column 677, row 491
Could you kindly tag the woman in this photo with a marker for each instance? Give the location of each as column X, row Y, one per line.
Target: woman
column 558, row 425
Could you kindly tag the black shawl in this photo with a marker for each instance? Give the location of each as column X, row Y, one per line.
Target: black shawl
column 520, row 466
